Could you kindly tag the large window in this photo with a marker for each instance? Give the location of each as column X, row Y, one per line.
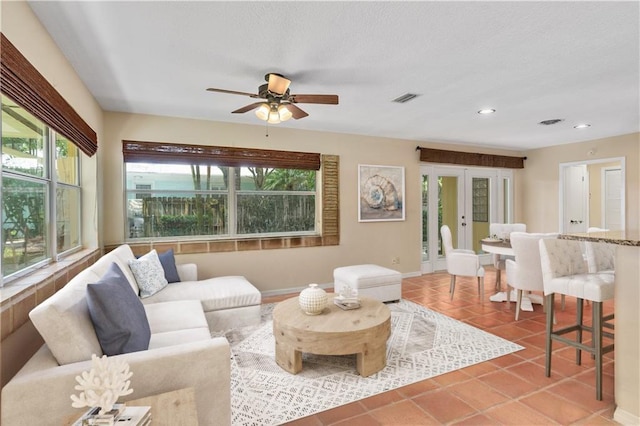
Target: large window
column 181, row 200
column 40, row 191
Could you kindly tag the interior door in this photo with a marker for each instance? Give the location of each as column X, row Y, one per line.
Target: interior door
column 575, row 201
column 612, row 201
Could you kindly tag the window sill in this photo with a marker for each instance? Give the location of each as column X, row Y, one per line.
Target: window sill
column 224, row 246
column 19, row 296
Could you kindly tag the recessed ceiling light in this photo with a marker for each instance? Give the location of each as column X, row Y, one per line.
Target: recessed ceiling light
column 487, row 111
column 581, row 126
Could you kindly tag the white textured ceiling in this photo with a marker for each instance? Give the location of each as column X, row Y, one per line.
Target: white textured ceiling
column 531, row 61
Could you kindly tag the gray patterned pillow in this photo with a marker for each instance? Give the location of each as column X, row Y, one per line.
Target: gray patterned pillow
column 148, row 273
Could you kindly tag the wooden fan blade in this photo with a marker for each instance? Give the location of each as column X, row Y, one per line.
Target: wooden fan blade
column 278, row 84
column 314, row 99
column 247, row 108
column 296, row 112
column 232, row 92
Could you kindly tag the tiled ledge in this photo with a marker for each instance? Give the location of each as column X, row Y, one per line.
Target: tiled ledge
column 18, row 297
column 192, row 247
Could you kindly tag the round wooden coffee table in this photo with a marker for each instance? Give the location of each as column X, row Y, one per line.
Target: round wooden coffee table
column 362, row 331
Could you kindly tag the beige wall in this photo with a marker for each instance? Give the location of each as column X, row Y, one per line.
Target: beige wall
column 24, row 31
column 536, row 186
column 370, row 242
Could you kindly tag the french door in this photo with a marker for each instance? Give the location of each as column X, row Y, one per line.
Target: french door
column 465, row 199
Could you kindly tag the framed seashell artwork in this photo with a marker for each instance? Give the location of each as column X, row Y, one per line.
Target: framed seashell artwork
column 381, row 193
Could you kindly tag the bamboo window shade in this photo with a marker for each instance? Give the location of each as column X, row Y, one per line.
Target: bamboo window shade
column 21, row 81
column 174, row 153
column 430, row 155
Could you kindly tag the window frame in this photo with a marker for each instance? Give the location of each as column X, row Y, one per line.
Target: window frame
column 50, row 182
column 232, row 197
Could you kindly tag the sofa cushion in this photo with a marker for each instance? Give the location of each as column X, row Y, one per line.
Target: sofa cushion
column 148, row 273
column 179, row 337
column 214, row 293
column 168, row 262
column 175, row 315
column 117, row 314
column 64, row 323
column 121, row 255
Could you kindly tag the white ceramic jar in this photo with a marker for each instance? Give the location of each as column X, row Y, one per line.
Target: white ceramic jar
column 313, row 300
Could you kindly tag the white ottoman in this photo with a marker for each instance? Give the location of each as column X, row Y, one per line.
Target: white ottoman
column 375, row 281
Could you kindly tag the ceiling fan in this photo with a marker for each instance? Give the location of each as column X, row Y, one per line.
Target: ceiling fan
column 278, row 104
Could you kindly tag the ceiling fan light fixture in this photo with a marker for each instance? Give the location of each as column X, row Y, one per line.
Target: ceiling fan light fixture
column 277, row 84
column 263, row 112
column 284, row 112
column 274, row 115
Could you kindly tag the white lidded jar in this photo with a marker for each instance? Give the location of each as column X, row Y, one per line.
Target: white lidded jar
column 313, row 300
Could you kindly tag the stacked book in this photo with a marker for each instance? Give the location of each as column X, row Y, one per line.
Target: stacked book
column 347, row 303
column 120, row 415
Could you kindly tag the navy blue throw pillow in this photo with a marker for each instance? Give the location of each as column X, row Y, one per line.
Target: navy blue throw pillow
column 117, row 314
column 168, row 262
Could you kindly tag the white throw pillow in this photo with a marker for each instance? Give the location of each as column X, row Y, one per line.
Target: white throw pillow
column 148, row 273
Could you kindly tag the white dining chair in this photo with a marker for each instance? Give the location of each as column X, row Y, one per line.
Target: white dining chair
column 461, row 262
column 503, row 231
column 524, row 273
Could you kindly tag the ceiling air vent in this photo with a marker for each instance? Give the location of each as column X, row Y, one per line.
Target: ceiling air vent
column 550, row 122
column 405, row 98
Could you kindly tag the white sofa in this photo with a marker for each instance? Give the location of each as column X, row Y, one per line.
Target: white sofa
column 181, row 351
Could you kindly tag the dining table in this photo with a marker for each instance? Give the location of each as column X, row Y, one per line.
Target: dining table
column 503, row 247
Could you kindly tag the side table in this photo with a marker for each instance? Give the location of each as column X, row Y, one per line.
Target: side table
column 167, row 409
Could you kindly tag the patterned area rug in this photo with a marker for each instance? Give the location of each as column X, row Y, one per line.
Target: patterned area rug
column 423, row 344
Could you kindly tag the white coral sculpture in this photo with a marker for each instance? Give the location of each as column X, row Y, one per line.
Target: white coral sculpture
column 101, row 386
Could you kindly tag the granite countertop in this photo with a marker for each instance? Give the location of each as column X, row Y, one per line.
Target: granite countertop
column 622, row 238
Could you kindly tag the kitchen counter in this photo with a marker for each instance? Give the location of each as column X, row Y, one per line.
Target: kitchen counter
column 627, row 321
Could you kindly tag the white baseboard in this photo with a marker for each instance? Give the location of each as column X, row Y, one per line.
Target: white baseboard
column 625, row 417
column 281, row 291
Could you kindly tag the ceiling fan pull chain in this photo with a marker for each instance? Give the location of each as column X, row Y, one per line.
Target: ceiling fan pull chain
column 266, row 125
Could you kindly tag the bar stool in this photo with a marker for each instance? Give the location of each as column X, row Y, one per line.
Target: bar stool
column 565, row 272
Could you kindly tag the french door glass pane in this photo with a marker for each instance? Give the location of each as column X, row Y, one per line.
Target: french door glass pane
column 447, row 208
column 480, row 210
column 425, row 217
column 506, row 213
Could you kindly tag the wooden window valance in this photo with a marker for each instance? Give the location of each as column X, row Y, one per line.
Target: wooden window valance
column 470, row 159
column 158, row 152
column 22, row 82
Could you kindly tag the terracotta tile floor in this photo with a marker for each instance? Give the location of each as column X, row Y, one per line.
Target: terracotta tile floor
column 508, row 390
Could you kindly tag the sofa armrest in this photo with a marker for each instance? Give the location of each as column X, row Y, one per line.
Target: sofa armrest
column 41, row 390
column 188, row 272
